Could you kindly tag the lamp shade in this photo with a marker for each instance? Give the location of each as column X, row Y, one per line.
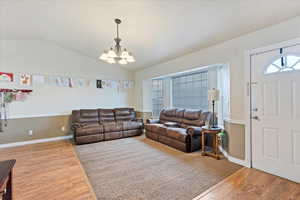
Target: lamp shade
column 213, row 95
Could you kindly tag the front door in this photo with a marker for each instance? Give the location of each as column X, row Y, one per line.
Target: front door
column 275, row 110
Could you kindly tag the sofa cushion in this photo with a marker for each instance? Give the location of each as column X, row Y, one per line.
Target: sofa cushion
column 124, row 114
column 106, row 115
column 180, row 113
column 170, row 112
column 171, row 124
column 148, row 127
column 177, row 134
column 112, row 126
column 130, row 125
column 122, row 111
column 186, row 123
column 170, row 115
column 88, row 115
column 192, row 114
column 90, row 129
column 159, row 128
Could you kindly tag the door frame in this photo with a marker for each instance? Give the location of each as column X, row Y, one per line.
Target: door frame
column 248, row 121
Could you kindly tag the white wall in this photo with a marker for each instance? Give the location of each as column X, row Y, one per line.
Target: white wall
column 230, row 52
column 42, row 57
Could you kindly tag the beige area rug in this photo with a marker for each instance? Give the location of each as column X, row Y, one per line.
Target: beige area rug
column 141, row 169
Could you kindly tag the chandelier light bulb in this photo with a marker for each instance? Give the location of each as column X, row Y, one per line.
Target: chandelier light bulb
column 111, row 61
column 104, row 56
column 122, row 62
column 125, row 54
column 130, row 59
column 111, row 53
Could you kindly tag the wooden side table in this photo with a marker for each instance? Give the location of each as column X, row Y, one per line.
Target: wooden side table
column 214, row 132
column 6, row 171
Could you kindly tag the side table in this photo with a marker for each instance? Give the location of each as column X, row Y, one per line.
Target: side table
column 214, row 132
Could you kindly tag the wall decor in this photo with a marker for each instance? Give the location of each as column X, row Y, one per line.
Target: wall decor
column 65, row 82
column 25, row 79
column 79, row 82
column 126, row 84
column 6, row 77
column 99, row 83
column 131, row 84
column 7, row 96
column 106, row 84
column 38, row 79
column 52, row 81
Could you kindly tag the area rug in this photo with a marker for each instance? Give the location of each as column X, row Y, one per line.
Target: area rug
column 141, row 169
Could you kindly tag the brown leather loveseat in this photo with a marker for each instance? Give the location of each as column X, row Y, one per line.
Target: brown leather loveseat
column 95, row 125
column 178, row 128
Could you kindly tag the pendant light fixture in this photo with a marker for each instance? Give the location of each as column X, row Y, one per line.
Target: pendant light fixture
column 117, row 54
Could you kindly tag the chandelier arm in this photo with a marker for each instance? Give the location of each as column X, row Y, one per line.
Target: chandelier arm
column 117, row 30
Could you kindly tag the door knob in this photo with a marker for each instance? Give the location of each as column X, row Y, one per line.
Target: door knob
column 255, row 118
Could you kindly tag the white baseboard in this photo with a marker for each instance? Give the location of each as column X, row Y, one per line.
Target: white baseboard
column 15, row 144
column 233, row 159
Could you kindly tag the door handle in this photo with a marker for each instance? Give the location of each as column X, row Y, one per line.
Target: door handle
column 255, row 118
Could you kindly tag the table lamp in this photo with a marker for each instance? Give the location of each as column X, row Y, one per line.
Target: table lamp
column 213, row 96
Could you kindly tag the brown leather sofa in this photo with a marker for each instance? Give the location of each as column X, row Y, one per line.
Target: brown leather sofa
column 178, row 128
column 95, row 125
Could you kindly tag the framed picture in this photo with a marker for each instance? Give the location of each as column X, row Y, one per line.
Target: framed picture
column 6, row 77
column 99, row 84
column 25, row 79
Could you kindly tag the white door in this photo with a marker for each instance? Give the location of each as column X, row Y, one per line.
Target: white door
column 275, row 104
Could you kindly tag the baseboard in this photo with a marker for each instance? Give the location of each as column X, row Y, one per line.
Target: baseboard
column 15, row 144
column 233, row 159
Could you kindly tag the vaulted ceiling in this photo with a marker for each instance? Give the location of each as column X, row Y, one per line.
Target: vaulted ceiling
column 154, row 30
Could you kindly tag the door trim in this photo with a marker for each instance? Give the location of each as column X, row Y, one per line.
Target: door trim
column 247, row 63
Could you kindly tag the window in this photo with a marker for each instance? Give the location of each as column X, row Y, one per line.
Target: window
column 190, row 91
column 157, row 96
column 284, row 64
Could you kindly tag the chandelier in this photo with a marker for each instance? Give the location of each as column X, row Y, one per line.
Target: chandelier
column 117, row 54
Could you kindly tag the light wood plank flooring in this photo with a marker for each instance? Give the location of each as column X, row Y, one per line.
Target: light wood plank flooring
column 53, row 171
column 252, row 184
column 48, row 171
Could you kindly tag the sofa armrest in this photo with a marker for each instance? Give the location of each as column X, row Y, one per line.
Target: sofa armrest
column 194, row 131
column 138, row 120
column 152, row 121
column 76, row 125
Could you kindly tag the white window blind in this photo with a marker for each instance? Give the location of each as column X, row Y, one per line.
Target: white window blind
column 157, row 96
column 190, row 91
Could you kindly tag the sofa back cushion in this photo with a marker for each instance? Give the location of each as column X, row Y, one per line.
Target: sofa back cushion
column 106, row 115
column 124, row 114
column 88, row 116
column 171, row 115
column 194, row 118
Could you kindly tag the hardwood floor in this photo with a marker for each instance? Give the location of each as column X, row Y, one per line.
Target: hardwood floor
column 48, row 171
column 52, row 171
column 252, row 184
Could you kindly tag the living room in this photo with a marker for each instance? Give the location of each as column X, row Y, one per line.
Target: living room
column 149, row 99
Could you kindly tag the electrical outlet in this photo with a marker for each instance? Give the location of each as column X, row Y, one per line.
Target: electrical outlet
column 30, row 132
column 63, row 128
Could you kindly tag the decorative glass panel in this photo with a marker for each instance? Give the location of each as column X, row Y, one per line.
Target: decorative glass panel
column 284, row 64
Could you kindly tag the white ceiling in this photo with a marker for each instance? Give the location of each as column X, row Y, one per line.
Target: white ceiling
column 154, row 30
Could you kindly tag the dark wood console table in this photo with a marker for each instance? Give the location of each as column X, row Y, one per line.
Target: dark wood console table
column 6, row 175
